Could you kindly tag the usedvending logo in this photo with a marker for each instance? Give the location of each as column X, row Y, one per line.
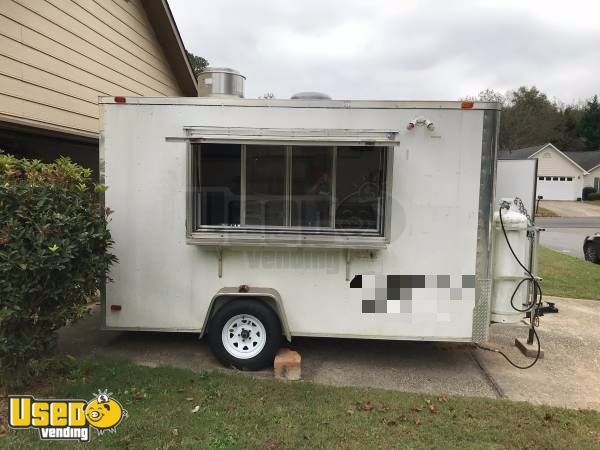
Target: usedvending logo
column 65, row 419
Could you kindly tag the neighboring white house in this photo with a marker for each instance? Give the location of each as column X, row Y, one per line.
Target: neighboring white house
column 561, row 175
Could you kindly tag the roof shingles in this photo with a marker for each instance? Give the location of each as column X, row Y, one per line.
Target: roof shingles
column 519, row 153
column 588, row 160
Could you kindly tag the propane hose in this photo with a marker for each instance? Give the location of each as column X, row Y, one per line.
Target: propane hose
column 532, row 307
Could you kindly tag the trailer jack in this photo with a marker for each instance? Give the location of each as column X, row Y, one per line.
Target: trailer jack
column 549, row 308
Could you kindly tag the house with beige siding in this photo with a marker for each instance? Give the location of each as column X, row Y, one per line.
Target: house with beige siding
column 58, row 56
column 561, row 175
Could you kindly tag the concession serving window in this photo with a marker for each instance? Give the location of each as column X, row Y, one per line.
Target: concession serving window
column 320, row 189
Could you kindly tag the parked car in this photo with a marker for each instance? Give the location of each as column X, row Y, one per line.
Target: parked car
column 591, row 248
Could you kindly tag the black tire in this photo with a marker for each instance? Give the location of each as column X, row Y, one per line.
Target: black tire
column 267, row 318
column 591, row 252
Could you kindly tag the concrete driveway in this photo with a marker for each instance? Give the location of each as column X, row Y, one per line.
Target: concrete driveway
column 571, row 209
column 568, row 376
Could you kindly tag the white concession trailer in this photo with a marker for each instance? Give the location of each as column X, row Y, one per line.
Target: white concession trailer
column 252, row 219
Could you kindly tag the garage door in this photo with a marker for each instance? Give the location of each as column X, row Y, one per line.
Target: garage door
column 556, row 188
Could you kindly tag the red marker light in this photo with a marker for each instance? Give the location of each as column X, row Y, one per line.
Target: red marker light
column 120, row 99
column 115, row 307
column 466, row 104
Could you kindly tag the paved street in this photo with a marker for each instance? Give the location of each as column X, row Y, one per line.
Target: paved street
column 567, row 376
column 566, row 234
column 568, row 222
column 566, row 240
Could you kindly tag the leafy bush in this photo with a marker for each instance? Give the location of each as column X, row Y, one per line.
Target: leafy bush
column 587, row 191
column 53, row 258
column 593, row 196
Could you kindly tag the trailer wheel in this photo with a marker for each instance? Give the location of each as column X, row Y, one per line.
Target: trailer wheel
column 245, row 334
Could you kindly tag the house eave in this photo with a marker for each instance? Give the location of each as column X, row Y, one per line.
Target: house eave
column 163, row 23
column 593, row 168
column 584, row 172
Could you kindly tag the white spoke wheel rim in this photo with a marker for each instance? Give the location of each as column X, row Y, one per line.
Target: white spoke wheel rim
column 244, row 336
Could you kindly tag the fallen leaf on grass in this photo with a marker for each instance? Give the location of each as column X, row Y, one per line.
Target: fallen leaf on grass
column 272, row 445
column 138, row 395
column 416, row 409
column 383, row 408
column 196, row 409
column 394, row 422
column 442, row 399
column 418, row 421
column 350, row 412
column 189, row 399
column 174, row 432
column 431, row 407
column 217, row 394
column 364, row 406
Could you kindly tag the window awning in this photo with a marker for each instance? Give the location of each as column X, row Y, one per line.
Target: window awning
column 289, row 136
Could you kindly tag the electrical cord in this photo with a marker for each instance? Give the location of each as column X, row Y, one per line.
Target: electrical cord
column 532, row 307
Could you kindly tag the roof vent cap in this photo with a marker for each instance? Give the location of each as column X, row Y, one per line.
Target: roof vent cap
column 310, row 96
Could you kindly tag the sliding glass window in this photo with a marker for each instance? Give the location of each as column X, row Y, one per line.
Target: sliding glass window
column 219, row 178
column 311, row 186
column 265, row 185
column 358, row 187
column 294, row 189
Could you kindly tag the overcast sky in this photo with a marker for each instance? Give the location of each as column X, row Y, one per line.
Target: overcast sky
column 407, row 50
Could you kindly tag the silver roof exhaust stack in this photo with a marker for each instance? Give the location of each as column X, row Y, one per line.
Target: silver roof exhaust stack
column 221, row 82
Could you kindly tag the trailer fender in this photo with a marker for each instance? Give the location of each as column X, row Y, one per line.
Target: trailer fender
column 269, row 296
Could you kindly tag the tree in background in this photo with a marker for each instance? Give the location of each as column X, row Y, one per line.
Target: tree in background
column 490, row 95
column 590, row 123
column 571, row 138
column 198, row 63
column 529, row 118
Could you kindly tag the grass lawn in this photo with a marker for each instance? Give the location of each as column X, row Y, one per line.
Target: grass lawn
column 237, row 411
column 567, row 276
column 543, row 212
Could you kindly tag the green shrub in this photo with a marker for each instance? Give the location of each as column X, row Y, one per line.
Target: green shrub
column 587, row 191
column 593, row 196
column 53, row 258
